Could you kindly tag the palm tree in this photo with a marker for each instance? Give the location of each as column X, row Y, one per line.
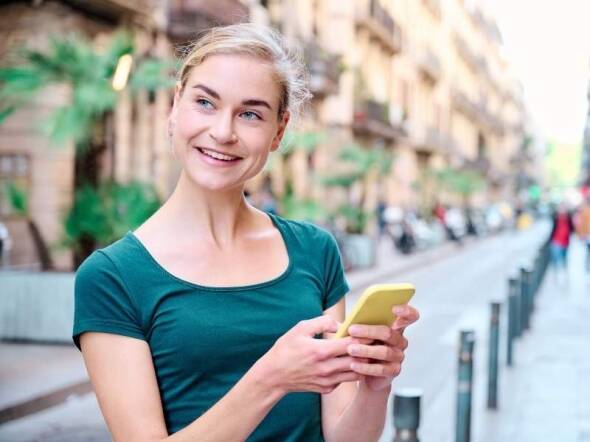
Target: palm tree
column 89, row 73
column 362, row 162
column 18, row 200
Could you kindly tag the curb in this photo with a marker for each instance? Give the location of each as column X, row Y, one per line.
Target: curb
column 43, row 402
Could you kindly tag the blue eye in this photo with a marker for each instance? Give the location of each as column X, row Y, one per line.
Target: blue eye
column 204, row 103
column 251, row 115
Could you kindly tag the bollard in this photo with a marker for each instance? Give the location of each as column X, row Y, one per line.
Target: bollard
column 518, row 327
column 528, row 277
column 406, row 414
column 493, row 357
column 464, row 386
column 513, row 288
column 524, row 299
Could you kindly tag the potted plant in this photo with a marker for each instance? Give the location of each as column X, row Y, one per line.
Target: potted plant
column 359, row 246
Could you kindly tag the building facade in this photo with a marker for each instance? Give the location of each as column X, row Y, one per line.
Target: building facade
column 423, row 81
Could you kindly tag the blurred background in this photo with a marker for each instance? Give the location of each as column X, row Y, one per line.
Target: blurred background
column 438, row 129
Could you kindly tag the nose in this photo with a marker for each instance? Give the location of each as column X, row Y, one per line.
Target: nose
column 222, row 130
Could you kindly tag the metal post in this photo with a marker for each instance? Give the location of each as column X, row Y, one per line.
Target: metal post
column 513, row 290
column 406, row 414
column 493, row 357
column 524, row 299
column 518, row 326
column 464, row 386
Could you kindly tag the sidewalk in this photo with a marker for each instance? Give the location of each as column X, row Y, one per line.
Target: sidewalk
column 544, row 396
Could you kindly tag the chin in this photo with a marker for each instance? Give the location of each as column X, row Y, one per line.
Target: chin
column 216, row 183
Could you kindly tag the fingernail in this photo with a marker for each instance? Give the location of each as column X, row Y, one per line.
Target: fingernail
column 353, row 349
column 399, row 310
column 353, row 329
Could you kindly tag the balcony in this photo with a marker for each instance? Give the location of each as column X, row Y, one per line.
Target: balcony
column 371, row 16
column 429, row 65
column 474, row 61
column 430, row 140
column 463, row 103
column 373, row 118
column 324, row 70
column 434, row 7
column 115, row 10
column 476, row 110
column 187, row 17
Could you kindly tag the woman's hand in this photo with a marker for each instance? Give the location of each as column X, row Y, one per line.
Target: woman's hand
column 379, row 363
column 299, row 362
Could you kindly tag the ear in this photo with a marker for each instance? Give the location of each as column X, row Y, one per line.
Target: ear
column 276, row 142
column 174, row 111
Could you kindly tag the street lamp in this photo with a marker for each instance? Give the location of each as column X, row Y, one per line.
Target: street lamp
column 122, row 72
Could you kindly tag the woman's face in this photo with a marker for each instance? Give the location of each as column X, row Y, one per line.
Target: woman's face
column 225, row 121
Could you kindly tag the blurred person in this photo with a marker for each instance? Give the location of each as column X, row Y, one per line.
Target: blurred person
column 583, row 227
column 439, row 213
column 5, row 244
column 455, row 224
column 203, row 322
column 561, row 231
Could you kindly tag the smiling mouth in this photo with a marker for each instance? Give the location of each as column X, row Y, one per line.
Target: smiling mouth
column 218, row 155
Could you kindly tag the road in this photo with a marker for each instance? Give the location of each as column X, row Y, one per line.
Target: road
column 455, row 294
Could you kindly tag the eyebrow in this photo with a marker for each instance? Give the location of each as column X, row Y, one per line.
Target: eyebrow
column 248, row 102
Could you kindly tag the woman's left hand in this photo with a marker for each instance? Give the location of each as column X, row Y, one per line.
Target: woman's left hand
column 380, row 362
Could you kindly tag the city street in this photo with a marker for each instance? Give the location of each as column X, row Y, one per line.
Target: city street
column 453, row 294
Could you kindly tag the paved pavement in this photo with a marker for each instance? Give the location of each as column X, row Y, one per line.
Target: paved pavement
column 528, row 393
column 545, row 396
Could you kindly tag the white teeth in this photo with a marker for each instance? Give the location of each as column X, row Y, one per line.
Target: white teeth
column 217, row 155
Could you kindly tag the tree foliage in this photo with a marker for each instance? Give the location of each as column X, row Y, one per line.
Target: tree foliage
column 108, row 212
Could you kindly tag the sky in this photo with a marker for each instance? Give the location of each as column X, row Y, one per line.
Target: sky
column 547, row 42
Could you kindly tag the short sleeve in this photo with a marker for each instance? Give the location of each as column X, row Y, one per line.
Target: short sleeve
column 102, row 302
column 336, row 285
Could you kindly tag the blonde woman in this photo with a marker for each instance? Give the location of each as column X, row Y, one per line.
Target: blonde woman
column 202, row 324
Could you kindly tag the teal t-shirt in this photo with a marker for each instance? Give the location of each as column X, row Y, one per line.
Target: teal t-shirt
column 204, row 339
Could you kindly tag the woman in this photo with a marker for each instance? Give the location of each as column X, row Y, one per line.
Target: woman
column 201, row 324
column 561, row 231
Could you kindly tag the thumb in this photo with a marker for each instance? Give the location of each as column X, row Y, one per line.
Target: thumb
column 317, row 325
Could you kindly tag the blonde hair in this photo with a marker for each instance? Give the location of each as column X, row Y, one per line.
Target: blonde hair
column 259, row 41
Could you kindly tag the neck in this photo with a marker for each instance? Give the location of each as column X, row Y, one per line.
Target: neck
column 197, row 213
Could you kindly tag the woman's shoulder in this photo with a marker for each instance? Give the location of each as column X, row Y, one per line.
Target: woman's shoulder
column 121, row 253
column 305, row 231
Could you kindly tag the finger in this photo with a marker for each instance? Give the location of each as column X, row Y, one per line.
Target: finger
column 398, row 340
column 317, row 325
column 376, row 352
column 406, row 312
column 381, row 370
column 364, row 341
column 332, row 348
column 335, row 365
column 328, row 384
column 378, row 332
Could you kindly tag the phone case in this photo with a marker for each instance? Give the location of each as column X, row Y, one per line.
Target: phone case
column 375, row 304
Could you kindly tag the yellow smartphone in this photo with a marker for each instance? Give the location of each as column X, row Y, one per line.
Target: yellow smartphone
column 375, row 304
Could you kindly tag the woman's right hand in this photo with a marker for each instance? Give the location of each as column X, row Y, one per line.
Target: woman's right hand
column 299, row 362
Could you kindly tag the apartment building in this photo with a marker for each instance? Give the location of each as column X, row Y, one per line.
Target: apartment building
column 422, row 80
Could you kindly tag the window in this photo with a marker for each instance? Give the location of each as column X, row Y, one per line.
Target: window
column 14, row 168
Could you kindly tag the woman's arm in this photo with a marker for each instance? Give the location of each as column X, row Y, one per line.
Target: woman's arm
column 357, row 412
column 123, row 377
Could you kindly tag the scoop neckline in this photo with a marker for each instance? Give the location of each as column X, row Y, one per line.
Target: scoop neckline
column 269, row 282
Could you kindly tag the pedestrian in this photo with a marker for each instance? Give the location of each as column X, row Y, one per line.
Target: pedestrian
column 204, row 321
column 561, row 231
column 583, row 227
column 5, row 244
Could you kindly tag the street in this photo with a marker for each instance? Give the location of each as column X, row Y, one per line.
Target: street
column 452, row 294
